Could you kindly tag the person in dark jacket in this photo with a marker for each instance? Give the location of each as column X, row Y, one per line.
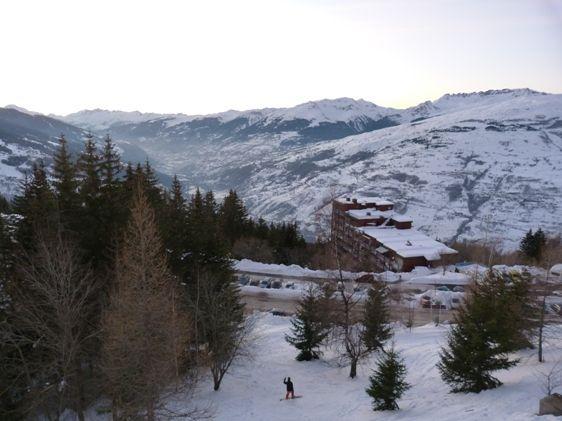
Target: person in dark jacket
column 290, row 388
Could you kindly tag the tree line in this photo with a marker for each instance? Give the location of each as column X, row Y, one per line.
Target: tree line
column 500, row 316
column 111, row 285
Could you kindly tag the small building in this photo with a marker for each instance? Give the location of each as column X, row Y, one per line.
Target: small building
column 369, row 229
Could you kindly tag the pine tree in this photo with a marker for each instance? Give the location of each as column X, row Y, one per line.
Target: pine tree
column 523, row 317
column 532, row 245
column 527, row 245
column 388, row 384
column 90, row 197
column 89, row 171
column 309, row 329
column 110, row 165
column 233, row 217
column 207, row 247
column 486, row 330
column 151, row 188
column 113, row 211
column 65, row 184
column 540, row 244
column 37, row 206
column 376, row 317
column 175, row 228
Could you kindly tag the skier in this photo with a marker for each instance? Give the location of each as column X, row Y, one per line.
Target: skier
column 290, row 388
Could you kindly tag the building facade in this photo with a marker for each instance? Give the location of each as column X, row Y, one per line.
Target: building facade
column 369, row 230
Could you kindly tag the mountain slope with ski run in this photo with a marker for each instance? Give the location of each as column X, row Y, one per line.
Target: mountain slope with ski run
column 484, row 165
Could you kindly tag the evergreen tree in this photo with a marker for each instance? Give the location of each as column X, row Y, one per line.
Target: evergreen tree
column 197, row 228
column 113, row 212
column 207, row 247
column 540, row 244
column 5, row 205
column 110, row 165
column 524, row 313
column 152, row 189
column 532, row 245
column 89, row 171
column 527, row 244
column 261, row 229
column 36, row 205
column 487, row 328
column 388, row 384
column 65, row 184
column 175, row 229
column 91, row 238
column 233, row 217
column 376, row 317
column 309, row 328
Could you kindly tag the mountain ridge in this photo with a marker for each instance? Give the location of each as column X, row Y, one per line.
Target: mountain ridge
column 80, row 117
column 474, row 165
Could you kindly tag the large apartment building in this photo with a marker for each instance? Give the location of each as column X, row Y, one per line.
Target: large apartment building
column 368, row 229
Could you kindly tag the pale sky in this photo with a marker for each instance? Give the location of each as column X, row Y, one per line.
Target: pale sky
column 199, row 57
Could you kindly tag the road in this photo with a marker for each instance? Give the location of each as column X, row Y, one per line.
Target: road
column 271, row 300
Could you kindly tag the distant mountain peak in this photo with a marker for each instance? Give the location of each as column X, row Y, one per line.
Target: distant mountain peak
column 21, row 109
column 494, row 92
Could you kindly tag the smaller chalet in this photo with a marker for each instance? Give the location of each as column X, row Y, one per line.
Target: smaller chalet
column 370, row 230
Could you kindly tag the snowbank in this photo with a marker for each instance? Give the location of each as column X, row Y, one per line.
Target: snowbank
column 246, row 265
column 447, row 278
column 556, row 270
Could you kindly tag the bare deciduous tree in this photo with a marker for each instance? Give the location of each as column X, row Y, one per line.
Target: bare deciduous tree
column 348, row 329
column 224, row 332
column 52, row 311
column 551, row 379
column 145, row 333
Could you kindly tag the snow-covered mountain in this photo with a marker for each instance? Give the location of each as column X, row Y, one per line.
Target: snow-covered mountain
column 315, row 120
column 27, row 136
column 477, row 165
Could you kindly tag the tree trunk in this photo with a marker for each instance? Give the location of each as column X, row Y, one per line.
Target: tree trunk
column 150, row 411
column 353, row 369
column 216, row 378
column 541, row 327
column 80, row 398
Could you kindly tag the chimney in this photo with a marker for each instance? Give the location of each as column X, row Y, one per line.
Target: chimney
column 368, row 213
column 355, row 201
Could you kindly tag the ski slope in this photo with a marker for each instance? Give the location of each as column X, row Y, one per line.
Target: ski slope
column 251, row 391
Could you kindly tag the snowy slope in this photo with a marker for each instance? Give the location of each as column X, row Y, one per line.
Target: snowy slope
column 487, row 171
column 27, row 137
column 252, row 390
column 483, row 165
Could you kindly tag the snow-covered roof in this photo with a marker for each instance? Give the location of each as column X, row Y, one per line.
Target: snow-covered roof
column 368, row 213
column 408, row 242
column 372, row 213
column 401, row 218
column 365, row 200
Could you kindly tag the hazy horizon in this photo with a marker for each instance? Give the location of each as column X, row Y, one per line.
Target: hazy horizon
column 208, row 57
column 265, row 107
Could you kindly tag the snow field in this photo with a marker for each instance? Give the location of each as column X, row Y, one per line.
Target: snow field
column 252, row 390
